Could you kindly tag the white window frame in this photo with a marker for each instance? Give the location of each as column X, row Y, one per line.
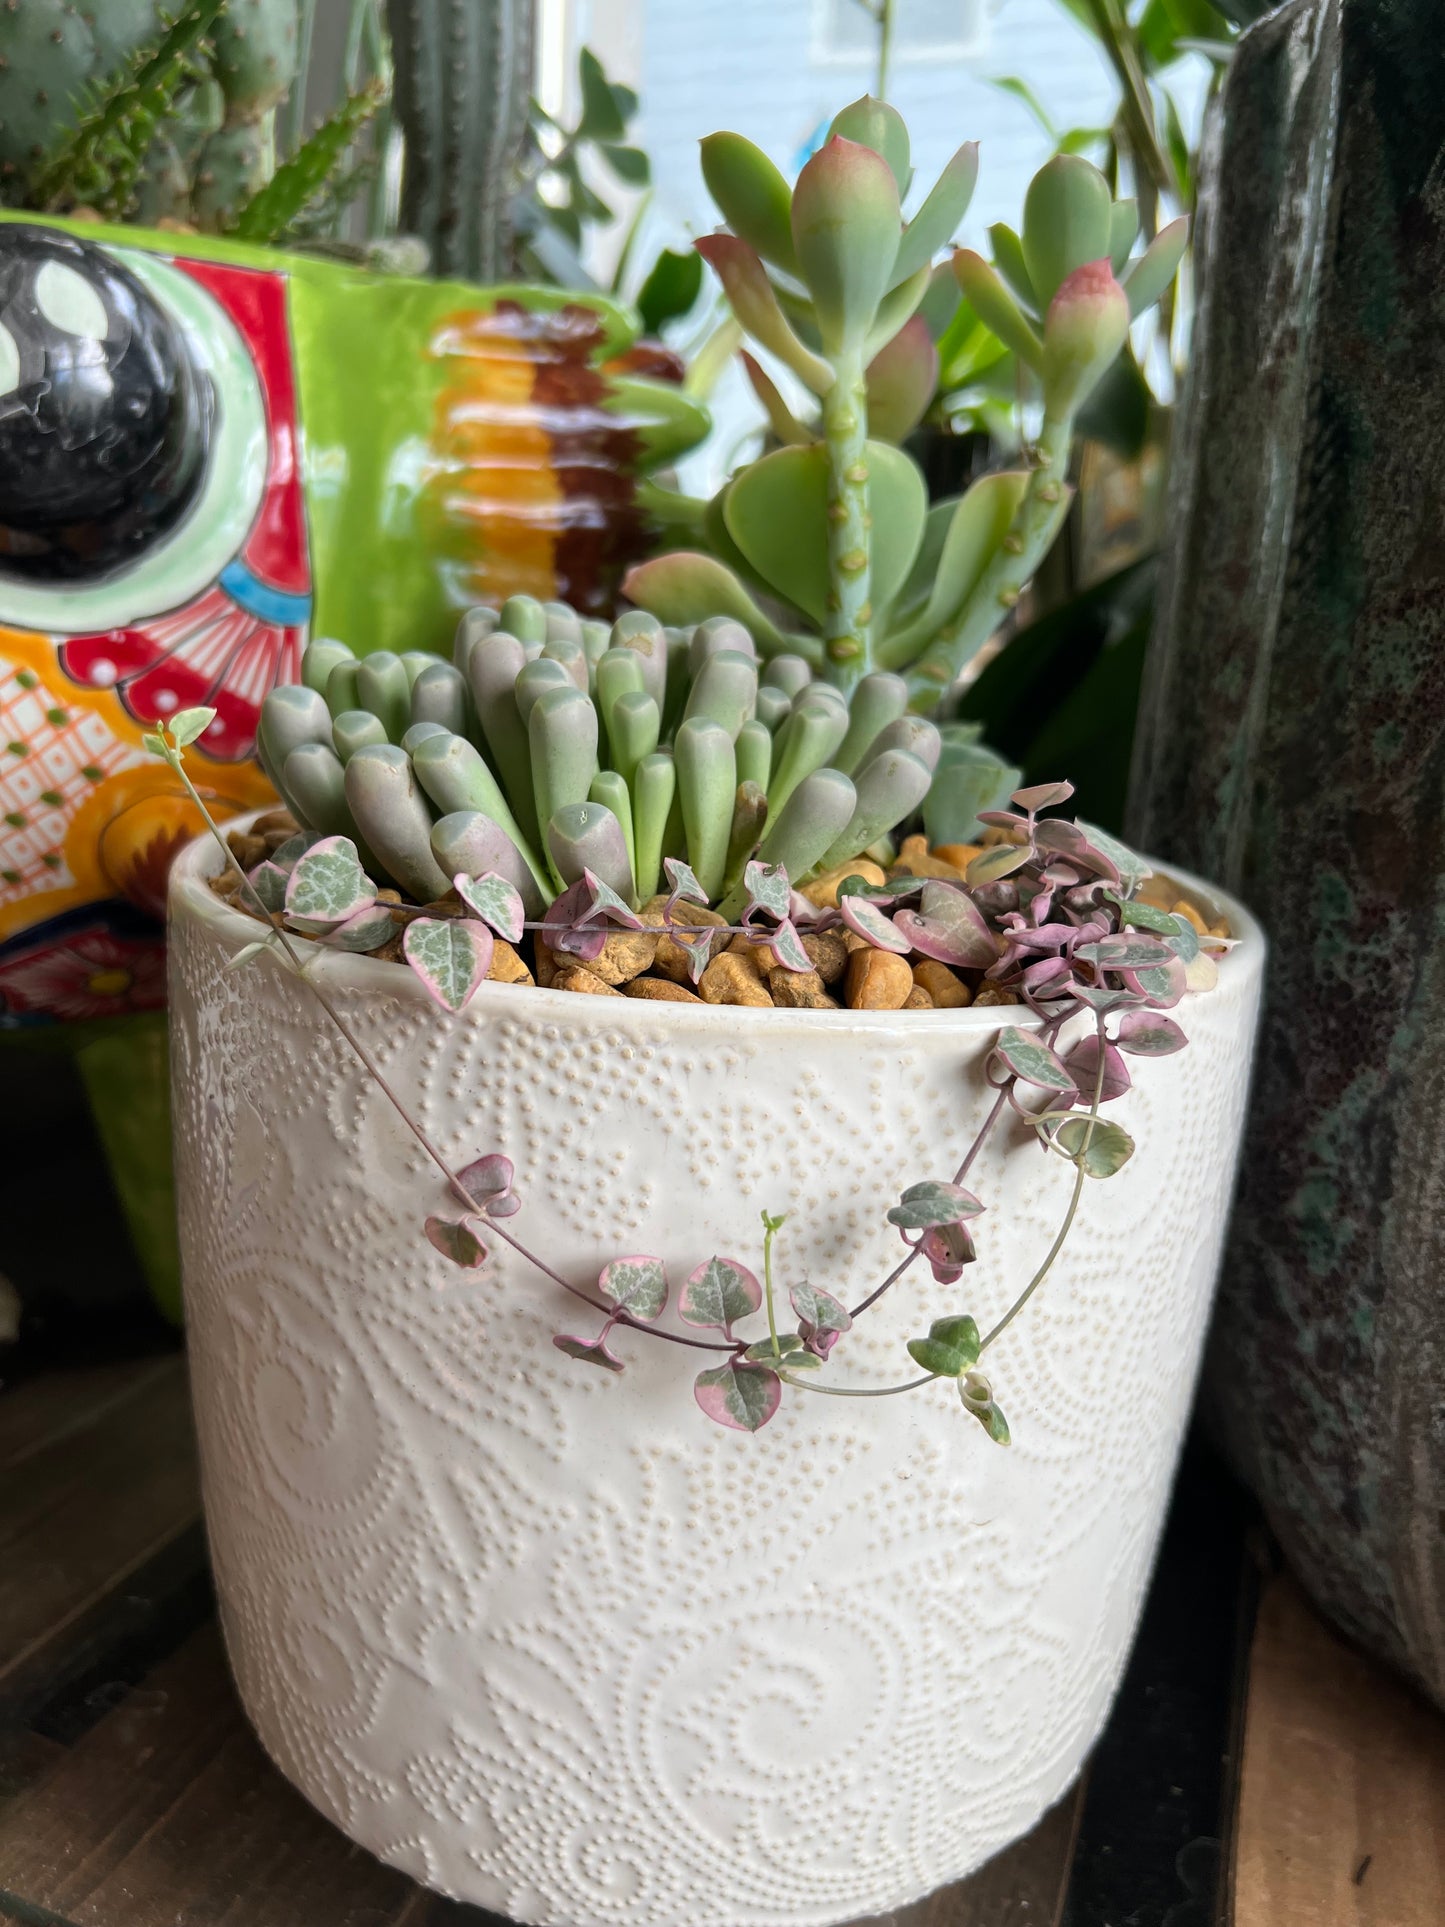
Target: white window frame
column 826, row 53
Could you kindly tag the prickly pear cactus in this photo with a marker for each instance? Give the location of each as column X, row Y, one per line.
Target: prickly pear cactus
column 463, row 76
column 254, row 60
column 49, row 53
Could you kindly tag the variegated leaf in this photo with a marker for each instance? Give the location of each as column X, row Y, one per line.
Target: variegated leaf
column 328, row 884
column 869, row 922
column 591, row 1351
column 1031, row 1061
column 455, row 1239
column 269, row 881
column 682, row 882
column 635, row 1285
column 368, row 930
column 451, row 956
column 495, row 901
column 719, row 1292
column 741, row 1397
column 767, row 887
column 933, row 1202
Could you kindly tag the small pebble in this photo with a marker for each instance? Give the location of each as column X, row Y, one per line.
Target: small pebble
column 878, row 980
column 918, row 999
column 247, row 850
column 660, row 990
column 914, row 860
column 507, row 967
column 273, row 839
column 574, row 977
column 730, row 979
column 798, row 990
column 945, row 990
column 990, row 995
column 625, row 955
column 960, row 855
column 281, row 820
column 823, row 890
column 828, row 952
column 671, row 960
column 1190, row 915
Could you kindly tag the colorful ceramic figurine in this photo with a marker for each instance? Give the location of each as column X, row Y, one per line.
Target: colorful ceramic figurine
column 209, row 452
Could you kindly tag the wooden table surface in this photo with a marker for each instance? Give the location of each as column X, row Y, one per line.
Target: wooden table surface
column 1256, row 1772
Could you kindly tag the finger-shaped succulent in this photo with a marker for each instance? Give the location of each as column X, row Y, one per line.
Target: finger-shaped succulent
column 562, row 765
column 834, row 526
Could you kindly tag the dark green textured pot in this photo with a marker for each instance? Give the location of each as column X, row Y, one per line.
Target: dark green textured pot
column 1292, row 744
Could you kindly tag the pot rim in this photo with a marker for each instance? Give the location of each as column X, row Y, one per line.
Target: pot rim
column 189, row 895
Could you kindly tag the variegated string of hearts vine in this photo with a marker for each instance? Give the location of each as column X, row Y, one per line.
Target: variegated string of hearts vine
column 1050, row 912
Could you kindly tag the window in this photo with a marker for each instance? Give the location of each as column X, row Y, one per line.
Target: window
column 846, row 31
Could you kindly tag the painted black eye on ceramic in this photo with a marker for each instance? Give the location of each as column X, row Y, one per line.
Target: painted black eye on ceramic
column 104, row 423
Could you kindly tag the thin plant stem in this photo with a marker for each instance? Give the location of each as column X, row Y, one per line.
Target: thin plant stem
column 860, row 1391
column 771, row 1227
column 885, row 46
column 1078, row 1191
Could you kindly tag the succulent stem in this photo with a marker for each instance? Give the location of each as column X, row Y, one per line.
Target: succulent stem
column 847, row 624
column 1039, row 518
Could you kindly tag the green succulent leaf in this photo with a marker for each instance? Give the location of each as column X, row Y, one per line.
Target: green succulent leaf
column 984, row 290
column 1123, row 232
column 1068, row 216
column 972, row 537
column 1147, row 278
column 752, row 196
column 754, row 302
column 873, row 123
column 846, row 230
column 777, row 513
column 901, row 380
column 718, row 1293
column 952, row 1345
column 685, row 588
column 1131, row 866
column 1098, row 1146
column 1008, row 258
column 741, row 1397
column 941, row 215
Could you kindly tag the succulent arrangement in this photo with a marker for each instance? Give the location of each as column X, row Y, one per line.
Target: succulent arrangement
column 706, row 777
column 1057, row 915
column 827, row 278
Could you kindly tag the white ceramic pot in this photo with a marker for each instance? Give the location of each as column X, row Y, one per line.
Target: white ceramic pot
column 549, row 1639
